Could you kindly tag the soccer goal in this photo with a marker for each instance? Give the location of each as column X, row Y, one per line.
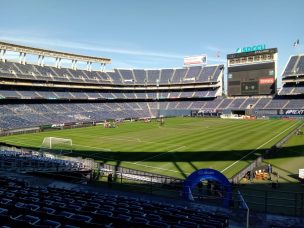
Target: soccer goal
column 53, row 144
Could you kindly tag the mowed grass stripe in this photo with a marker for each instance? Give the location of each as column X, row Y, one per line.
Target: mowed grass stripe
column 198, row 136
column 218, row 136
column 181, row 138
column 216, row 132
column 189, row 169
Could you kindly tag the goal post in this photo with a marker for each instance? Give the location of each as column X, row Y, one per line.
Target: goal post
column 54, row 144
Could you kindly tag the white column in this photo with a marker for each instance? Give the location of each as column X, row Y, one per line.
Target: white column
column 42, row 60
column 20, row 57
column 24, row 56
column 2, row 53
column 88, row 66
column 39, row 60
column 59, row 63
column 102, row 66
column 75, row 65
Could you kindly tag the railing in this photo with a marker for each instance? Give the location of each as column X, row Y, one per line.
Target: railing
column 238, row 177
column 138, row 175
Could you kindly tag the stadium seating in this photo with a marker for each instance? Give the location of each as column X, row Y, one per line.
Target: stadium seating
column 236, row 103
column 286, row 90
column 262, row 102
column 165, row 76
column 289, row 70
column 132, row 103
column 30, row 115
column 153, row 76
column 295, row 104
column 127, row 76
column 276, row 104
column 24, row 205
column 178, row 76
column 17, row 161
column 300, row 66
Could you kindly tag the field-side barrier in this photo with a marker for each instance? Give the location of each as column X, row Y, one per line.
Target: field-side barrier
column 138, row 175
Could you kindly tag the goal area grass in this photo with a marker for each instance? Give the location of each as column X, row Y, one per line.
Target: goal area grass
column 177, row 148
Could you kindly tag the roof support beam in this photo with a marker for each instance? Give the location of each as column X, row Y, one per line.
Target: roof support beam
column 89, row 66
column 2, row 54
column 53, row 54
column 58, row 62
column 22, row 56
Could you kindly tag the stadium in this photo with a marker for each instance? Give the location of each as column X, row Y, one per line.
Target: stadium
column 200, row 145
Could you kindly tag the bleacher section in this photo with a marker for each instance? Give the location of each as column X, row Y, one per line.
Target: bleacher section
column 22, row 162
column 197, row 74
column 29, row 115
column 35, row 206
column 33, row 94
column 129, row 93
column 293, row 76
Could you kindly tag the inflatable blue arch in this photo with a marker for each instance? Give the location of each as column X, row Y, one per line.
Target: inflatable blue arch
column 207, row 174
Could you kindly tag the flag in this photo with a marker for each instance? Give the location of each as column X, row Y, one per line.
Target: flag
column 296, row 43
column 217, row 54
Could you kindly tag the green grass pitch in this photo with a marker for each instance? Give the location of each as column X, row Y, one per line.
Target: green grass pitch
column 176, row 149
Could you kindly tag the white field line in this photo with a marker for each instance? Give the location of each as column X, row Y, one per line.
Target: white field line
column 161, row 154
column 105, row 137
column 29, row 140
column 108, row 158
column 181, row 147
column 251, row 152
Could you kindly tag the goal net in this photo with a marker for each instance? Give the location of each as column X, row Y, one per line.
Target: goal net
column 53, row 144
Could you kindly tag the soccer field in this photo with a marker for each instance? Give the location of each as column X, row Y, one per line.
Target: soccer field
column 176, row 149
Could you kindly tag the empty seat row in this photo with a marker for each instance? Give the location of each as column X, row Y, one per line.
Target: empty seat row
column 49, row 207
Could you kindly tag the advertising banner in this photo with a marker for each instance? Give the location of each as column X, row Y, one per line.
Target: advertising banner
column 195, row 60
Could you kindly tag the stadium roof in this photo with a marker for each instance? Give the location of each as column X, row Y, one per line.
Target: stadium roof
column 50, row 53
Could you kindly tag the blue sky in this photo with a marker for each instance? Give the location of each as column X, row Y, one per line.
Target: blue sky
column 155, row 33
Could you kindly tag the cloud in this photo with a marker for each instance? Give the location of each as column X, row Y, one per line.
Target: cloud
column 135, row 54
column 57, row 43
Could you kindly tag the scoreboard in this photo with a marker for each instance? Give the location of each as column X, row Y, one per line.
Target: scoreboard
column 252, row 73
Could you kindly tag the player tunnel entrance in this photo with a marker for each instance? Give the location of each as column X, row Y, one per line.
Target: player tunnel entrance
column 211, row 175
column 238, row 112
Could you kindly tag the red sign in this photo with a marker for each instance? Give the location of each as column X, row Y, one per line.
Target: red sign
column 266, row 81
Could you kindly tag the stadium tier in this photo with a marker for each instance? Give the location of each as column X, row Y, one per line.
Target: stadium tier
column 198, row 74
column 293, row 76
column 17, row 161
column 34, row 95
column 29, row 115
column 35, row 206
column 37, row 98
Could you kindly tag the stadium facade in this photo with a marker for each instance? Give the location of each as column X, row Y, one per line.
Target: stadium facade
column 34, row 94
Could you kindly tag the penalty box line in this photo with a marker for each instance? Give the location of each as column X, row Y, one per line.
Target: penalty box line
column 251, row 152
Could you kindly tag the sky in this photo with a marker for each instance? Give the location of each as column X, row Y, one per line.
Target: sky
column 154, row 33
